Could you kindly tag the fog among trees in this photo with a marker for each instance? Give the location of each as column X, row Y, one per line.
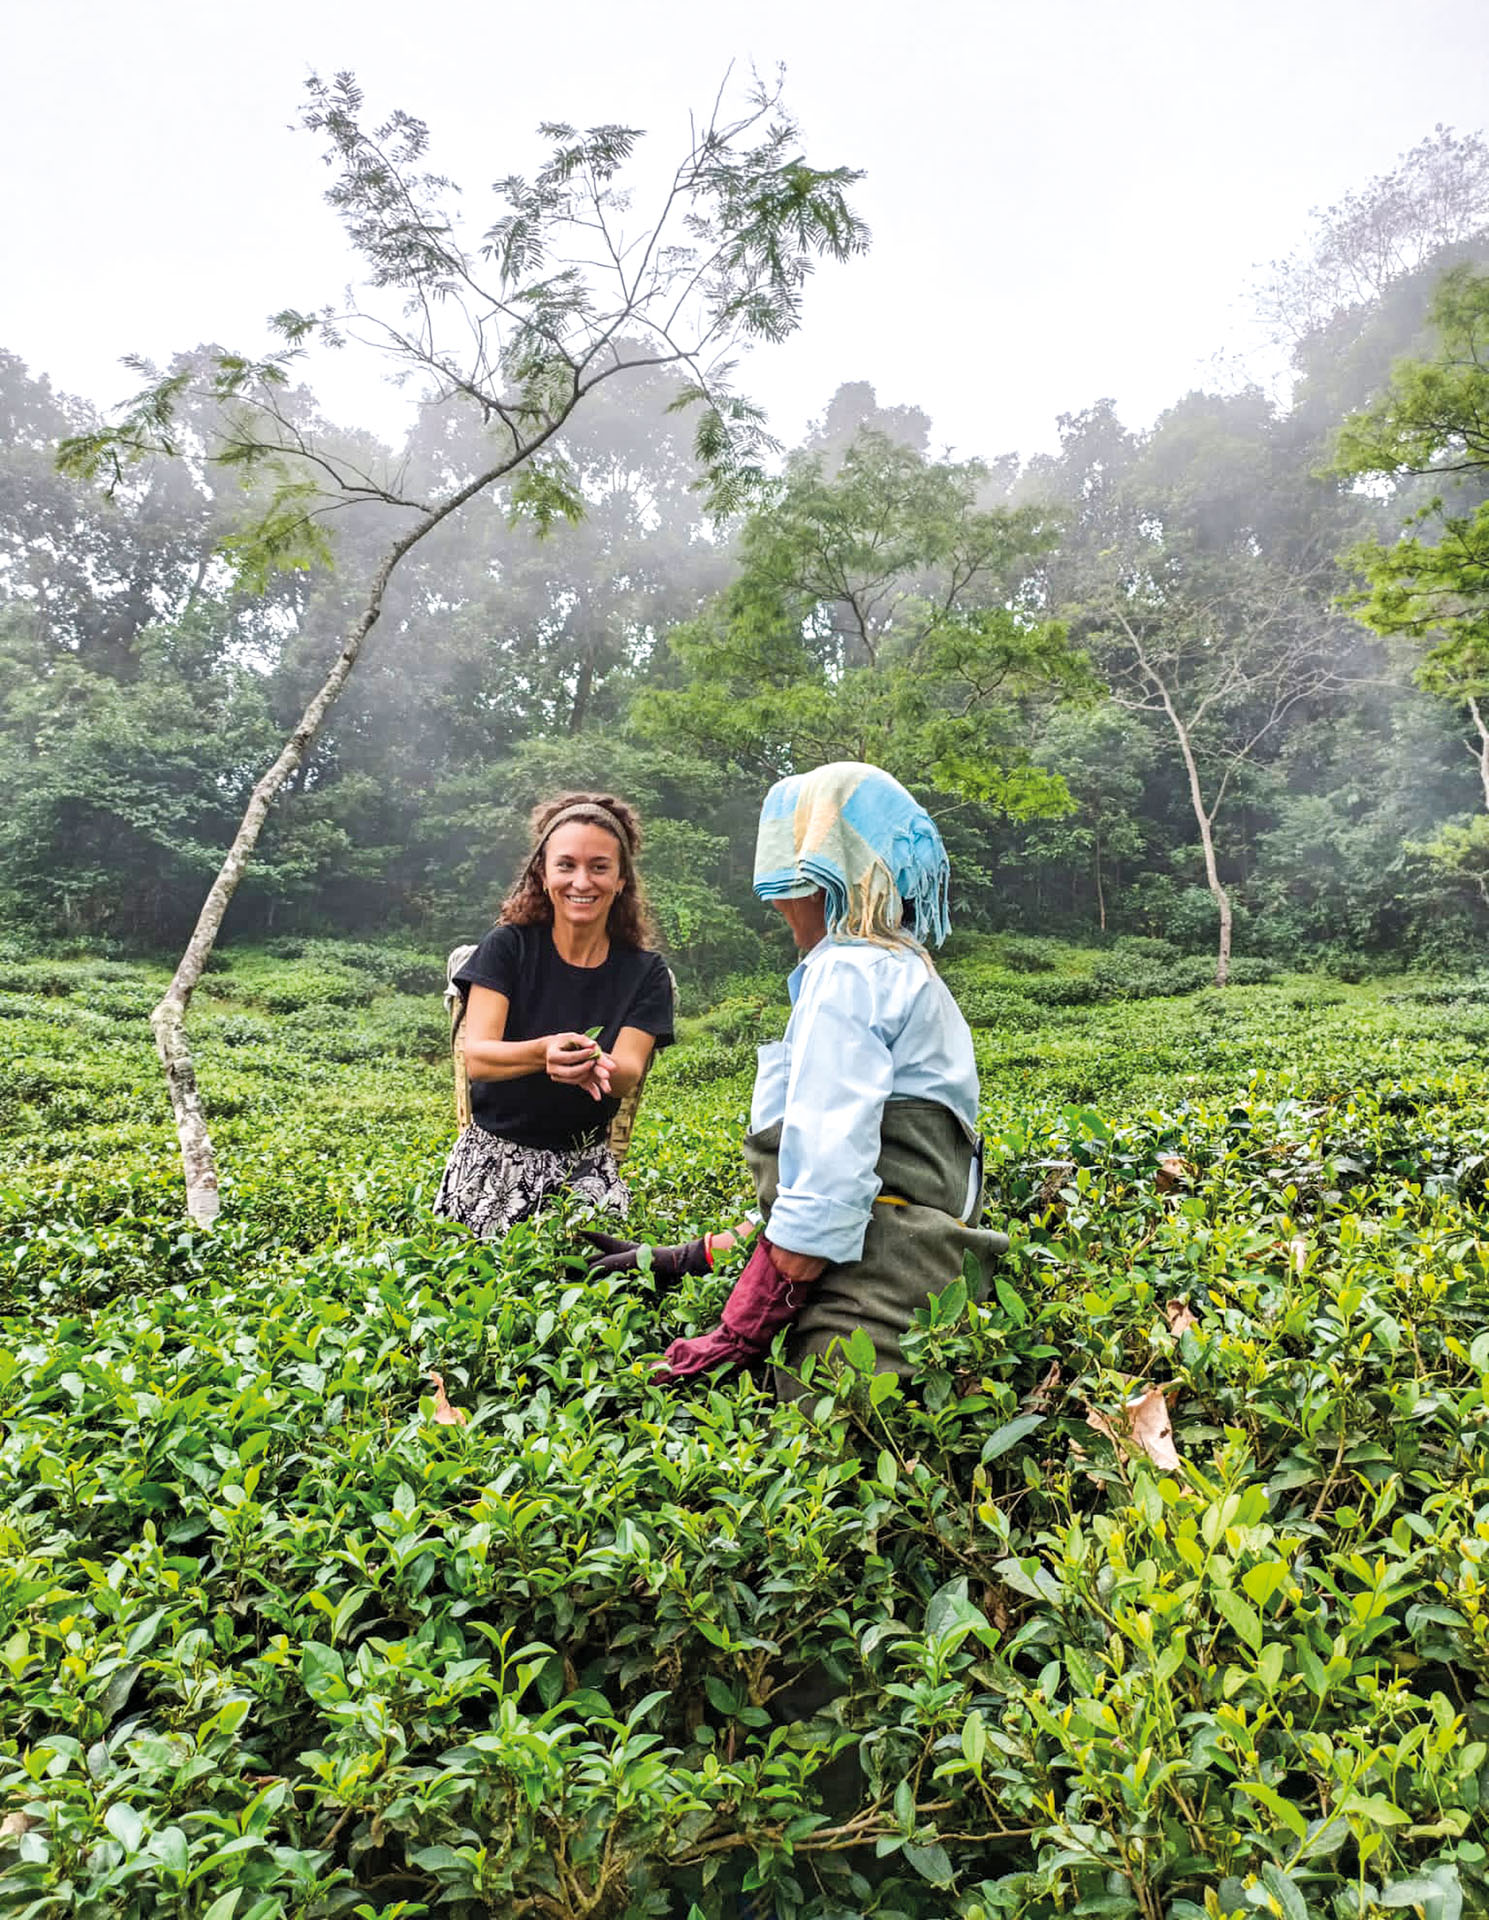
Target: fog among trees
column 1182, row 681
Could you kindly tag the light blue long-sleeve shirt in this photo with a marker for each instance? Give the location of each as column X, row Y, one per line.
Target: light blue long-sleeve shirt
column 868, row 1024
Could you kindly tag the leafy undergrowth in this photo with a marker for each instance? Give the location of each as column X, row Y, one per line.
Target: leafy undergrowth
column 275, row 1640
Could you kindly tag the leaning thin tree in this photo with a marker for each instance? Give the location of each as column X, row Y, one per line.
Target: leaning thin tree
column 1223, row 651
column 1428, row 436
column 563, row 292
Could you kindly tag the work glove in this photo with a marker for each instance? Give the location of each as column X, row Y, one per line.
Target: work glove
column 761, row 1302
column 668, row 1264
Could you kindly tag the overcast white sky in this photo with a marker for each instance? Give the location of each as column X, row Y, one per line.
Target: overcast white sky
column 1068, row 197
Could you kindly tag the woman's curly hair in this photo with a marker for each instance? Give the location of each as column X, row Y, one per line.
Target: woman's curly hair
column 527, row 904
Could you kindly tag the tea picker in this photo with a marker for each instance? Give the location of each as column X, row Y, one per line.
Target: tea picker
column 863, row 1140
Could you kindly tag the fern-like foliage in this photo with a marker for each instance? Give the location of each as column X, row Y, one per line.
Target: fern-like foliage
column 562, row 290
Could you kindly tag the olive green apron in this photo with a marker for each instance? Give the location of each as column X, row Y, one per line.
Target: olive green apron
column 917, row 1237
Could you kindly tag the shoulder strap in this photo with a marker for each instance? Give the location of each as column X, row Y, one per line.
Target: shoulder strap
column 621, row 1127
column 454, row 998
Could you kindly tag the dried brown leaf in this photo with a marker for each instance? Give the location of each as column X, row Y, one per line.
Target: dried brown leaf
column 1179, row 1317
column 1173, row 1171
column 17, row 1823
column 1143, row 1426
column 1038, row 1398
column 444, row 1413
column 995, row 1606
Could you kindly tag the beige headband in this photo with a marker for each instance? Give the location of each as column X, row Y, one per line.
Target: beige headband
column 586, row 810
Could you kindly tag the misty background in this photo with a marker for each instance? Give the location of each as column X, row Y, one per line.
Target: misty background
column 1130, row 275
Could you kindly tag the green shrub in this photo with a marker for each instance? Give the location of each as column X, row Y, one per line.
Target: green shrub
column 109, row 986
column 1122, row 975
column 238, row 1029
column 391, row 1027
column 1444, row 993
column 134, row 1002
column 1252, row 970
column 305, row 983
column 410, row 1026
column 988, row 1007
column 1027, row 953
column 1313, row 998
column 740, row 1020
column 1070, row 991
column 1140, row 946
column 37, row 976
column 275, row 1641
column 698, row 1063
column 404, row 969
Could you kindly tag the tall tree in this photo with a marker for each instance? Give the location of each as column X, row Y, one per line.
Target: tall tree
column 88, row 576
column 1435, row 198
column 116, row 793
column 523, row 323
column 1223, row 654
column 1428, row 437
column 1198, row 570
column 1104, row 756
column 853, row 410
column 882, row 613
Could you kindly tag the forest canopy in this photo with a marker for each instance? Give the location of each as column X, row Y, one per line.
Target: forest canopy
column 1185, row 681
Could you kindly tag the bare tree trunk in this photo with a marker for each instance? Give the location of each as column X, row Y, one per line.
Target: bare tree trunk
column 199, row 1161
column 1207, row 840
column 579, row 712
column 1100, row 894
column 1204, row 816
column 1222, row 900
column 1482, row 755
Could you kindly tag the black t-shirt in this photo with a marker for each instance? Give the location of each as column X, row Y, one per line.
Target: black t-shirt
column 547, row 995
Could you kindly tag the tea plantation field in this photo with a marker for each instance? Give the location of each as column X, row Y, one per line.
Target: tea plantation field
column 275, row 1641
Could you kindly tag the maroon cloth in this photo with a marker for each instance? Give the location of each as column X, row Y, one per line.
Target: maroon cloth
column 761, row 1302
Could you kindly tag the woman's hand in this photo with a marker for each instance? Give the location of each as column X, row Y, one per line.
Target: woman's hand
column 668, row 1264
column 800, row 1267
column 574, row 1060
column 600, row 1076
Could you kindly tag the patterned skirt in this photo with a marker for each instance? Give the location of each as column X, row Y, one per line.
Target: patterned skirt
column 490, row 1183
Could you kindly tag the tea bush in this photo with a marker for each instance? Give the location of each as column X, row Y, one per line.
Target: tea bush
column 996, row 1007
column 1445, row 993
column 1068, row 990
column 275, row 1641
column 1027, row 953
column 404, row 969
column 989, row 977
column 1125, row 976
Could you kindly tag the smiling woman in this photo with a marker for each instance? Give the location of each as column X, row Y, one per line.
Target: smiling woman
column 565, row 1004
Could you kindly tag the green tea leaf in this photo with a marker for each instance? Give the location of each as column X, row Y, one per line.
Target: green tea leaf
column 1276, row 1804
column 1285, row 1892
column 1242, row 1618
column 1009, row 1435
column 931, row 1863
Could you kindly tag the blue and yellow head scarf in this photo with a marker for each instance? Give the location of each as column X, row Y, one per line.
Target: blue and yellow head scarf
column 854, row 832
